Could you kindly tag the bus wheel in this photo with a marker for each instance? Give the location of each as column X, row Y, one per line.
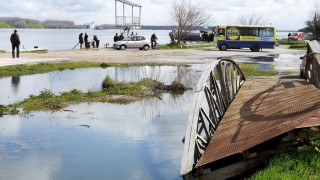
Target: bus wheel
column 223, row 47
column 256, row 48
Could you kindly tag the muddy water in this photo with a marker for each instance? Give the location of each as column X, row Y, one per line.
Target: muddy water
column 90, row 79
column 141, row 140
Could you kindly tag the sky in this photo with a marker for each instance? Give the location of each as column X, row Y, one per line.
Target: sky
column 284, row 14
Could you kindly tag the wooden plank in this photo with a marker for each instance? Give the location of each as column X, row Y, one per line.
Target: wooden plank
column 217, row 91
column 222, row 85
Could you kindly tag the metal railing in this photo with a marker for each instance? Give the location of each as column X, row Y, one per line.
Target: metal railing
column 127, row 21
column 216, row 89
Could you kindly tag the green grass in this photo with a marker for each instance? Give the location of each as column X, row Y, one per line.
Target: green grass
column 251, row 70
column 18, row 70
column 291, row 42
column 27, row 69
column 300, row 45
column 304, row 163
column 47, row 101
column 186, row 46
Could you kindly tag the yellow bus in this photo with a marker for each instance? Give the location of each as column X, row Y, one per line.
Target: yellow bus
column 244, row 36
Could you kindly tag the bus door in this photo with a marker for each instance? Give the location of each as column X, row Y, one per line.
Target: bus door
column 219, row 35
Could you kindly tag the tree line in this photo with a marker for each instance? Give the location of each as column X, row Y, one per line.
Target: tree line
column 16, row 22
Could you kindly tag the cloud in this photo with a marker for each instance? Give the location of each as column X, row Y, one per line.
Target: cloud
column 285, row 14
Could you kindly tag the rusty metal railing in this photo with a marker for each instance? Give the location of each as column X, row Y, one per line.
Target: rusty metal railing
column 311, row 65
column 216, row 89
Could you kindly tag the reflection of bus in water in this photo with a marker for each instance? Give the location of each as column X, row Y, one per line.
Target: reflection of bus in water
column 244, row 36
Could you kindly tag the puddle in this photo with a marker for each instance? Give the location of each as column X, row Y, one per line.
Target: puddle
column 90, row 79
column 279, row 58
column 141, row 140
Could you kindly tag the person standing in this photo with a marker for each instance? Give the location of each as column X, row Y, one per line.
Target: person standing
column 116, row 38
column 121, row 37
column 15, row 42
column 96, row 41
column 81, row 40
column 86, row 42
column 153, row 40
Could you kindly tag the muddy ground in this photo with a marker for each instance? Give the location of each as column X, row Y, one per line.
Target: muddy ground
column 178, row 56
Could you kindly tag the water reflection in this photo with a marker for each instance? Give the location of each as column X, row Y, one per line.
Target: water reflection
column 141, row 140
column 15, row 81
column 90, row 79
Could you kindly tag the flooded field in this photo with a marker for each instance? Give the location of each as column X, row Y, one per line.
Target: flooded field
column 140, row 140
column 90, row 79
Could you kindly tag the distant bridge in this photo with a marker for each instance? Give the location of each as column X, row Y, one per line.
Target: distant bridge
column 235, row 123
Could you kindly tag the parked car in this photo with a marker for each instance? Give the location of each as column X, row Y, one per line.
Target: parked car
column 297, row 36
column 141, row 42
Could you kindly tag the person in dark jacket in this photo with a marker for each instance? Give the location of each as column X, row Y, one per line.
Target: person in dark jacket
column 153, row 40
column 86, row 41
column 81, row 40
column 116, row 38
column 96, row 41
column 15, row 42
column 121, row 37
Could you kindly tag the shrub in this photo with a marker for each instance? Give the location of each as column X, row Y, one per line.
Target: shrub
column 107, row 82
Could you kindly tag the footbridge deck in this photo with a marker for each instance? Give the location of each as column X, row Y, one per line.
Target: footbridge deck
column 233, row 121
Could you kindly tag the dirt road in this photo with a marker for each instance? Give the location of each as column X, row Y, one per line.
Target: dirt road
column 179, row 56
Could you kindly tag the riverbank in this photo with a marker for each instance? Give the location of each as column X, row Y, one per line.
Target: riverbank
column 174, row 57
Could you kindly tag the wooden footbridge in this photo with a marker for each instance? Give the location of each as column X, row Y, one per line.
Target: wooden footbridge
column 234, row 123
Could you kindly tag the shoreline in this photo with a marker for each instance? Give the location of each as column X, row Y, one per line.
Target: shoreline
column 135, row 56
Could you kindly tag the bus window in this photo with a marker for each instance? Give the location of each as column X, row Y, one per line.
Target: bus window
column 270, row 32
column 222, row 31
column 245, row 31
column 254, row 31
column 266, row 32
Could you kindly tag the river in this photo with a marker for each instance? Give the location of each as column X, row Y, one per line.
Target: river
column 64, row 39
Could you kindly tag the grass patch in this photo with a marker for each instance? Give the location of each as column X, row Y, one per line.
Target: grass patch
column 294, row 44
column 185, row 46
column 27, row 69
column 251, row 70
column 119, row 92
column 303, row 163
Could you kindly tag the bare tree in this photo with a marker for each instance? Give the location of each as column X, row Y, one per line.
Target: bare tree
column 188, row 15
column 250, row 19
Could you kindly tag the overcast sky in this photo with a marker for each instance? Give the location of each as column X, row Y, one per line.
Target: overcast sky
column 284, row 14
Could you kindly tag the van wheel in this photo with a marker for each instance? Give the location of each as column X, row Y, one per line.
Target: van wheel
column 223, row 47
column 146, row 47
column 123, row 47
column 256, row 48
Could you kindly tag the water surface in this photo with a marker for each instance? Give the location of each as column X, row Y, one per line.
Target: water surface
column 90, row 79
column 141, row 140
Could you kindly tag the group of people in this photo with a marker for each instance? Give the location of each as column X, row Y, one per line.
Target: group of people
column 15, row 41
column 121, row 37
column 118, row 38
column 95, row 42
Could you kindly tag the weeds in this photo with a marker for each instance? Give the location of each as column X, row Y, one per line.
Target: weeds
column 304, row 163
column 185, row 46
